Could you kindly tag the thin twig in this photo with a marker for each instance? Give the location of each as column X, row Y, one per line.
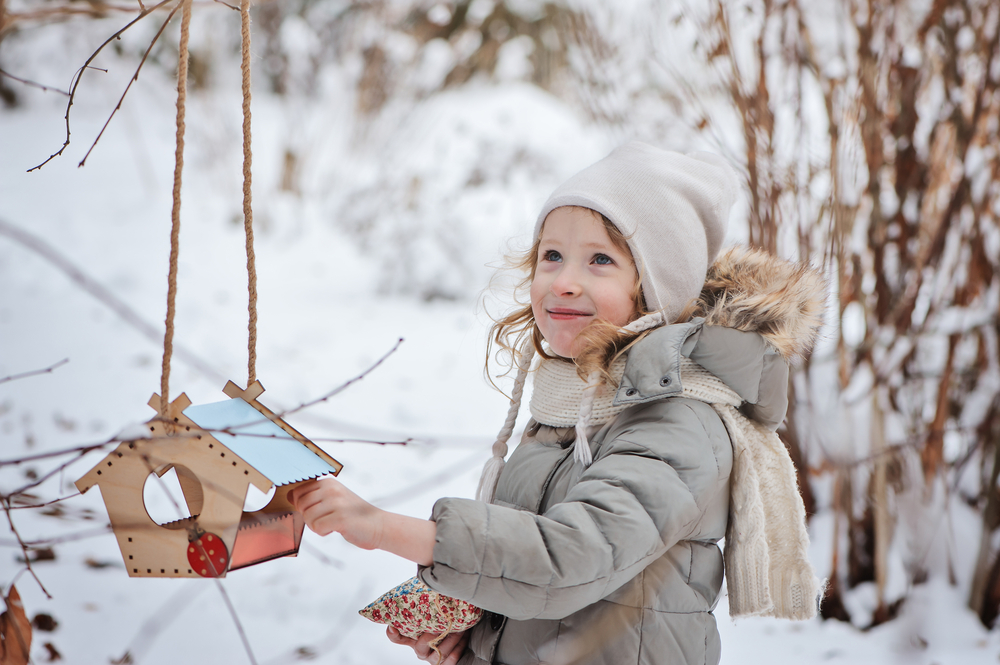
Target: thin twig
column 87, row 447
column 135, row 77
column 159, row 620
column 41, row 479
column 79, row 451
column 46, row 88
column 83, row 448
column 13, row 582
column 36, row 372
column 50, row 502
column 236, row 429
column 236, row 620
column 38, row 245
column 24, row 548
column 79, row 535
column 52, row 13
column 181, row 513
column 79, row 73
column 321, row 555
column 333, row 393
column 432, row 481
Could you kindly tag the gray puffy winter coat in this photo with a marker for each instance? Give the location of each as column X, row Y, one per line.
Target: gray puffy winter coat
column 618, row 562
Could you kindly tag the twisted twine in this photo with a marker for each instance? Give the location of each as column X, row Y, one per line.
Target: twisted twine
column 247, row 210
column 175, row 213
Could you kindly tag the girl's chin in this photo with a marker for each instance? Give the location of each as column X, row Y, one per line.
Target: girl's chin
column 563, row 349
column 562, row 338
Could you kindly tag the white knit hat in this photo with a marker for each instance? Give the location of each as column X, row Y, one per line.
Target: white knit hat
column 673, row 209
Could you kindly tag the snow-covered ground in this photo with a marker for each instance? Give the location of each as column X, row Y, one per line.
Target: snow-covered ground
column 333, row 299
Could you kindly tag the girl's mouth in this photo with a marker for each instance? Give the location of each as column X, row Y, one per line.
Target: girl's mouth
column 562, row 314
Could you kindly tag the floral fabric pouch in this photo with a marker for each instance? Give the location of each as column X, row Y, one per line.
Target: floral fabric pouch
column 413, row 608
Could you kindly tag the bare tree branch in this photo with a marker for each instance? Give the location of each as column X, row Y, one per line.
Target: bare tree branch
column 236, row 620
column 22, row 506
column 24, row 547
column 79, row 73
column 154, row 333
column 36, row 372
column 341, row 388
column 135, row 77
column 32, row 83
column 67, row 538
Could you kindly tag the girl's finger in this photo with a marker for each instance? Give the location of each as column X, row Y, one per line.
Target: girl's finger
column 452, row 645
column 458, row 650
column 321, row 523
column 449, row 643
column 423, row 646
column 304, row 498
column 398, row 638
column 296, row 493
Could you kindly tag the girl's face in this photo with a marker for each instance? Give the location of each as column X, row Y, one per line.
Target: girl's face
column 580, row 276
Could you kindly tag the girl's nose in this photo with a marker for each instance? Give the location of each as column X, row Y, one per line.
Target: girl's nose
column 567, row 283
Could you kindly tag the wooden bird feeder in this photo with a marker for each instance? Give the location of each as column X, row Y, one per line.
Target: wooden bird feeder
column 217, row 451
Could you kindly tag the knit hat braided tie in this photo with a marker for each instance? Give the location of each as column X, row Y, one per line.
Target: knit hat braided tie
column 491, row 472
column 581, row 449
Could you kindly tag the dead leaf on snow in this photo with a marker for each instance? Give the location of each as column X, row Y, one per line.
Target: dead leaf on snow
column 15, row 632
column 44, row 622
column 54, row 654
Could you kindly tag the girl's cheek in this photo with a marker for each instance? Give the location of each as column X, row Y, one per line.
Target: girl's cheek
column 536, row 293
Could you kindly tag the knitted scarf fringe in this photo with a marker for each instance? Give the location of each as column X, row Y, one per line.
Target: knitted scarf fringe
column 767, row 545
column 766, row 552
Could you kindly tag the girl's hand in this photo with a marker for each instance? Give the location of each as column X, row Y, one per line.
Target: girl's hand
column 451, row 647
column 328, row 506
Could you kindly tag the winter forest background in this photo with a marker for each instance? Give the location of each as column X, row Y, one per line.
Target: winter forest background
column 400, row 148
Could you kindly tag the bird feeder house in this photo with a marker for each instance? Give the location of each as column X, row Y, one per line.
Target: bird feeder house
column 217, row 451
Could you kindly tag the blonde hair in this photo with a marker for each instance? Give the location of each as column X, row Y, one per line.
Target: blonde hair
column 603, row 341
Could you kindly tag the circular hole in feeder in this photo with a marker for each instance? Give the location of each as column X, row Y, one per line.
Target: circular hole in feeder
column 256, row 499
column 170, row 494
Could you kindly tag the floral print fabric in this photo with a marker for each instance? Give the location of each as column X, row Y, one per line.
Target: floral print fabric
column 414, row 608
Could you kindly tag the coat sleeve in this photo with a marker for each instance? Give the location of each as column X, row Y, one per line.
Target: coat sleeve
column 661, row 466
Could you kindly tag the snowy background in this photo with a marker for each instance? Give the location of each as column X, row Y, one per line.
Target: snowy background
column 369, row 228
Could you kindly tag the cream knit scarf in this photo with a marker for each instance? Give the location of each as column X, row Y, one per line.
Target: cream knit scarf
column 766, row 552
column 558, row 391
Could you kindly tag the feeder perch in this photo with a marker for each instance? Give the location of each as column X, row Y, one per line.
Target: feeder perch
column 217, row 451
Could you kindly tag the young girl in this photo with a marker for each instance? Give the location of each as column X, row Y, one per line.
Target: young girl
column 597, row 541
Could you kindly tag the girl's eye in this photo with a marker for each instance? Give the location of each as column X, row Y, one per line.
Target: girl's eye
column 603, row 260
column 551, row 255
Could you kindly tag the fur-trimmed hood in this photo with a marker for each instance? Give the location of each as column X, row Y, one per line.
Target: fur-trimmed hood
column 751, row 291
column 755, row 314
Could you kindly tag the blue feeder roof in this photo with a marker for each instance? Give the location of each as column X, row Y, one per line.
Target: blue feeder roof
column 259, row 441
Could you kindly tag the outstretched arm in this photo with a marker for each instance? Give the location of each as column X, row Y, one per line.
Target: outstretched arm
column 328, row 506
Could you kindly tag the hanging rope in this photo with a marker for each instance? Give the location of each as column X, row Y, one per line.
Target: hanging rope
column 247, row 211
column 175, row 214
